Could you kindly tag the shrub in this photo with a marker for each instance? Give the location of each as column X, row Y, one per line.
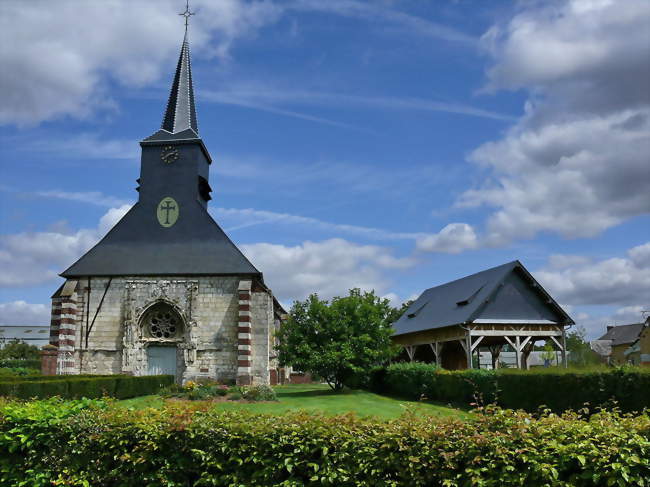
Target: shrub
column 26, row 363
column 234, row 396
column 259, row 393
column 18, row 373
column 558, row 389
column 71, row 386
column 96, row 443
column 194, row 391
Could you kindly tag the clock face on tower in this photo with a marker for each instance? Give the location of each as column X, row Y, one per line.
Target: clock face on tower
column 169, row 154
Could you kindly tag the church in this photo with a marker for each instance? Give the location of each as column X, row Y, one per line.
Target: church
column 166, row 291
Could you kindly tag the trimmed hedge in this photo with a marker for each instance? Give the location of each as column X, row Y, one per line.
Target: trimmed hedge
column 627, row 388
column 96, row 443
column 15, row 363
column 70, row 386
column 39, row 377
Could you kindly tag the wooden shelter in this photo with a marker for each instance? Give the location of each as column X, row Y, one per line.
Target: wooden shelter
column 505, row 305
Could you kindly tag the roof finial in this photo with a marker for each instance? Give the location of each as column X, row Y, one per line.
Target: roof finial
column 187, row 14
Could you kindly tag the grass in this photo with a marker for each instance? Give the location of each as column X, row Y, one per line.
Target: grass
column 319, row 398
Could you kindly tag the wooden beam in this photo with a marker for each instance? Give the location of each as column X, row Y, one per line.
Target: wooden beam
column 410, row 350
column 523, row 333
column 556, row 342
column 476, row 343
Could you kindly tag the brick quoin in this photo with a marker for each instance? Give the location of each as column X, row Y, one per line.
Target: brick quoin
column 244, row 344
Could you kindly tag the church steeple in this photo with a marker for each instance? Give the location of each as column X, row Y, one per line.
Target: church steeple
column 181, row 111
column 169, row 230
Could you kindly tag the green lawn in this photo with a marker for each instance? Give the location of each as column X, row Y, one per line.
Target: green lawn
column 320, row 398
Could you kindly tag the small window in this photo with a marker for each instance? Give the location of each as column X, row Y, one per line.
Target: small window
column 466, row 301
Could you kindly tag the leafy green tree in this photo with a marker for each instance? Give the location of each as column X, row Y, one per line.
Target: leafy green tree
column 396, row 313
column 17, row 349
column 548, row 354
column 580, row 353
column 339, row 339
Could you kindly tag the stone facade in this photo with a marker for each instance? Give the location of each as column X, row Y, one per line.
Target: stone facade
column 107, row 326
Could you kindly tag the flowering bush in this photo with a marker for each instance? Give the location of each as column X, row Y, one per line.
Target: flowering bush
column 98, row 443
column 259, row 393
column 196, row 390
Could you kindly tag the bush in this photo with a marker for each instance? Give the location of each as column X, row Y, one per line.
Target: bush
column 628, row 388
column 71, row 386
column 259, row 393
column 18, row 373
column 196, row 391
column 13, row 363
column 96, row 443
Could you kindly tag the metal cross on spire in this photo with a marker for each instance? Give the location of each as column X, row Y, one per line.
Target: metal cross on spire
column 187, row 14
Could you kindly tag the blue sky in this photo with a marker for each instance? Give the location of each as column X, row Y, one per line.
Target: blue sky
column 391, row 145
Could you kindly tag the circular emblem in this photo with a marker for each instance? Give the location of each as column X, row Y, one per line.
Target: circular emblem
column 169, row 154
column 167, row 211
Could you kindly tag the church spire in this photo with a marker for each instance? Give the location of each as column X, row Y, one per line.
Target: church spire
column 181, row 110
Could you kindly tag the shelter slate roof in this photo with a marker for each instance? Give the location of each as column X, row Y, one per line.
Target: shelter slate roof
column 620, row 335
column 462, row 300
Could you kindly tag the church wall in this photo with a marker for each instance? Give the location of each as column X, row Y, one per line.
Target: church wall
column 261, row 321
column 208, row 345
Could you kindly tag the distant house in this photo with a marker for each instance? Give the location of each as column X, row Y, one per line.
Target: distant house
column 38, row 335
column 621, row 338
column 505, row 305
column 639, row 352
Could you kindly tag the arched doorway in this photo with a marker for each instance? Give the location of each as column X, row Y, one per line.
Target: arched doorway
column 163, row 328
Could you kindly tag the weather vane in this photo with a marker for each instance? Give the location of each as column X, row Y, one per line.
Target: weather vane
column 187, row 14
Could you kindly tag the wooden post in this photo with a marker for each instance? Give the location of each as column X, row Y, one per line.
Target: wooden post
column 518, row 352
column 495, row 351
column 564, row 356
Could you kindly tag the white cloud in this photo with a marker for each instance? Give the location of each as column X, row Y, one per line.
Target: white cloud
column 577, row 162
column 329, row 268
column 452, row 239
column 265, row 98
column 62, row 56
column 248, row 217
column 376, row 12
column 23, row 313
column 35, row 257
column 81, row 146
column 91, row 197
column 619, row 281
column 596, row 325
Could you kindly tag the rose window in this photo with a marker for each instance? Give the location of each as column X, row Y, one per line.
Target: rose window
column 163, row 322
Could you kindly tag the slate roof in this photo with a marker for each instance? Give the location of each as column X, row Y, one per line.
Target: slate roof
column 138, row 246
column 180, row 114
column 620, row 335
column 38, row 335
column 461, row 301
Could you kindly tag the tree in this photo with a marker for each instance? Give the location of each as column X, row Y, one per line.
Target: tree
column 17, row 349
column 396, row 313
column 338, row 339
column 548, row 354
column 580, row 353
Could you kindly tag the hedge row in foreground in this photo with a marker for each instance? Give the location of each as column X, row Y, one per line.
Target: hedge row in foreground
column 627, row 388
column 119, row 386
column 17, row 363
column 99, row 444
